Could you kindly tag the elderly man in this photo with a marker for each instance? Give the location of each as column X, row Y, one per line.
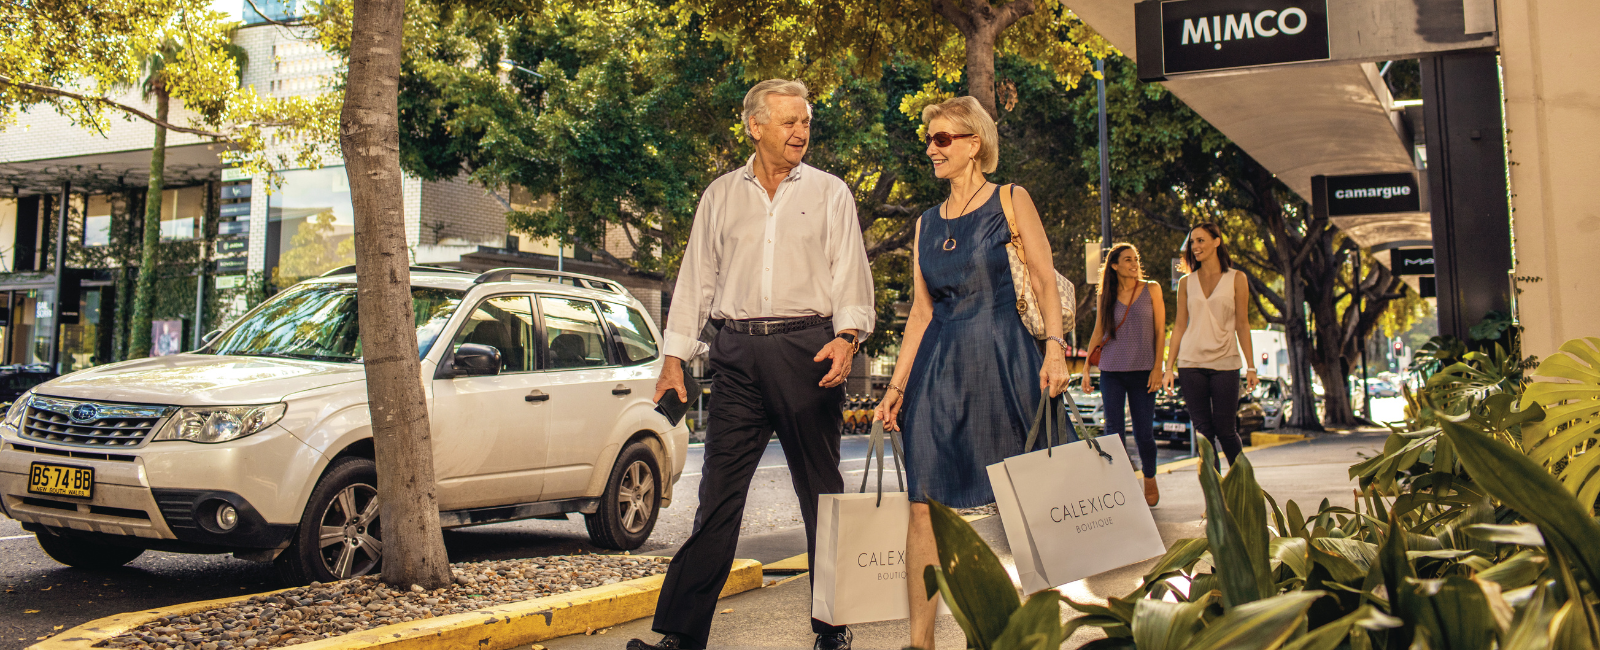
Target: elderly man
column 776, row 255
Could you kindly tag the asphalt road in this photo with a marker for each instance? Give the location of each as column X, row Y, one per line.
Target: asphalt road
column 37, row 595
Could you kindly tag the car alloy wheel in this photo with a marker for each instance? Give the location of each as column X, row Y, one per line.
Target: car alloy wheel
column 350, row 540
column 636, row 497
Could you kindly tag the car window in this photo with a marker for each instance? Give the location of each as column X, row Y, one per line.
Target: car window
column 506, row 324
column 319, row 321
column 573, row 334
column 633, row 332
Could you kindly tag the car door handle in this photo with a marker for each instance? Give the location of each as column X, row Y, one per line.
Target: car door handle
column 621, row 390
column 537, row 396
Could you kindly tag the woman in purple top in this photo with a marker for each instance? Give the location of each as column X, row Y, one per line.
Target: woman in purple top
column 1130, row 328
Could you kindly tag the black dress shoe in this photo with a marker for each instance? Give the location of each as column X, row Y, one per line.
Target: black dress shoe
column 668, row 642
column 835, row 641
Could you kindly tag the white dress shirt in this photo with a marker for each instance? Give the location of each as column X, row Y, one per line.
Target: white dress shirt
column 798, row 253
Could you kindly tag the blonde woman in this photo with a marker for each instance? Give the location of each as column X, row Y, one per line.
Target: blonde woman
column 969, row 375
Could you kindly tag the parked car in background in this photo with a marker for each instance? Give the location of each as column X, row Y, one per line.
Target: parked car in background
column 1381, row 388
column 259, row 443
column 18, row 379
column 1272, row 394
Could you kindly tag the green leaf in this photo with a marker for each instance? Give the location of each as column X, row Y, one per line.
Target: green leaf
column 1261, row 625
column 1330, row 636
column 972, row 580
column 1247, row 503
column 1034, row 626
column 1397, row 574
column 1519, row 534
column 1454, row 610
column 1160, row 625
column 1568, row 527
column 1531, row 628
column 1293, row 552
column 1239, row 579
column 1570, row 428
column 1515, row 572
column 1363, row 555
column 1180, row 556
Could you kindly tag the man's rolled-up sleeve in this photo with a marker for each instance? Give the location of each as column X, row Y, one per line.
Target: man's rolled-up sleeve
column 697, row 283
column 854, row 306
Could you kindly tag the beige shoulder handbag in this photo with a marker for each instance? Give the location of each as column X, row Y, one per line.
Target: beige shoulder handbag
column 1027, row 303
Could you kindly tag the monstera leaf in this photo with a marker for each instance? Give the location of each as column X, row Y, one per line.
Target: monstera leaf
column 1568, row 438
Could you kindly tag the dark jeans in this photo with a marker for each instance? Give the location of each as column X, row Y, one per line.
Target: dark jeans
column 1212, row 399
column 1132, row 386
column 763, row 384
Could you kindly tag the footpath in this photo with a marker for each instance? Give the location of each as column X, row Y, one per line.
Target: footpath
column 778, row 615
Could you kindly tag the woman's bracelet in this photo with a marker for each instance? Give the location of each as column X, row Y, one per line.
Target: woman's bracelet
column 902, row 390
column 1059, row 341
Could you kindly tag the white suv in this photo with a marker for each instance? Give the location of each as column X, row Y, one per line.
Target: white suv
column 259, row 443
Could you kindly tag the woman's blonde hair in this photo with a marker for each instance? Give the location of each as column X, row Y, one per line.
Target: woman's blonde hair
column 970, row 117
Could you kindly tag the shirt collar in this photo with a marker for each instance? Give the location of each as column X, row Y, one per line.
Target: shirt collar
column 750, row 170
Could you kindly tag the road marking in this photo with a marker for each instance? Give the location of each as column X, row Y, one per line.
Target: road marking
column 7, row 539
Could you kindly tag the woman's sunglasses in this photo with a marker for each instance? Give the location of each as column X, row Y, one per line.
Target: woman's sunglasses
column 942, row 139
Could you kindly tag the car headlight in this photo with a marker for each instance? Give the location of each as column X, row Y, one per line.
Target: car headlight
column 212, row 424
column 14, row 415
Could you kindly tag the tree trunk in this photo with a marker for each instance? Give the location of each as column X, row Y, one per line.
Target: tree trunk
column 1298, row 341
column 414, row 550
column 980, row 23
column 139, row 329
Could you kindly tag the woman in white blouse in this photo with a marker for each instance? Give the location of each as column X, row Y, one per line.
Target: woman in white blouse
column 1213, row 326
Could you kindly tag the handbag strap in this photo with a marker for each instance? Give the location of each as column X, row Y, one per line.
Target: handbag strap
column 875, row 445
column 1053, row 413
column 1011, row 222
column 1126, row 312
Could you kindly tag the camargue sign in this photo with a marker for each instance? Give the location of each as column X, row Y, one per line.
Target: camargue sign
column 1348, row 196
column 1192, row 36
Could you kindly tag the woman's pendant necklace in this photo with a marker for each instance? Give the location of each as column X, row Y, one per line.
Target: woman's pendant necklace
column 950, row 241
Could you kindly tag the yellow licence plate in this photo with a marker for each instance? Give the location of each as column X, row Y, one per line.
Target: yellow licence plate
column 61, row 480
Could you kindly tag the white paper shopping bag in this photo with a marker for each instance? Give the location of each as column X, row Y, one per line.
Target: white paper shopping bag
column 1072, row 511
column 861, row 548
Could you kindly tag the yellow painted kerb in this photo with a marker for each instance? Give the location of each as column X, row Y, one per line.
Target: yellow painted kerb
column 491, row 628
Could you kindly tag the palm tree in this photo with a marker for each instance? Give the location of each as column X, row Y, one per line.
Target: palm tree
column 155, row 85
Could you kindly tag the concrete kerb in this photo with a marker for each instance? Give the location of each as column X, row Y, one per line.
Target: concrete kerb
column 1262, row 440
column 490, row 628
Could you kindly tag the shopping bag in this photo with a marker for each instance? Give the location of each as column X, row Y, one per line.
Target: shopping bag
column 860, row 576
column 1071, row 511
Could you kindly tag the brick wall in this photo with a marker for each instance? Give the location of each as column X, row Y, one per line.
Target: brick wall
column 460, row 212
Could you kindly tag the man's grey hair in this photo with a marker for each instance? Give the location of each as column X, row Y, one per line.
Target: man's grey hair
column 755, row 101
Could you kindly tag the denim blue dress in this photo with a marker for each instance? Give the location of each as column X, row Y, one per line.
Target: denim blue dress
column 974, row 386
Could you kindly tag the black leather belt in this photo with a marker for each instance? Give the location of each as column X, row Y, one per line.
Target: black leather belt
column 770, row 326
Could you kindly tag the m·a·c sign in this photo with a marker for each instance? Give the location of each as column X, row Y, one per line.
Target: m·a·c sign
column 1178, row 37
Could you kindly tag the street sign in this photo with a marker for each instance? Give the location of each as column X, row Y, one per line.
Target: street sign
column 1348, row 196
column 231, row 246
column 1191, row 36
column 1411, row 261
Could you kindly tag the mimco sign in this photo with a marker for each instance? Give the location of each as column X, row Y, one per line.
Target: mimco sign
column 1207, row 35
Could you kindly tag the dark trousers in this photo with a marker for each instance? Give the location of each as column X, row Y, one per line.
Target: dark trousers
column 1133, row 388
column 763, row 384
column 1212, row 399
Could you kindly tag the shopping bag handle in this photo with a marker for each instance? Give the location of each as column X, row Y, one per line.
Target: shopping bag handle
column 1052, row 414
column 875, row 445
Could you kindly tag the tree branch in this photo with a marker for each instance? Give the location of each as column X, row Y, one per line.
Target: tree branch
column 49, row 90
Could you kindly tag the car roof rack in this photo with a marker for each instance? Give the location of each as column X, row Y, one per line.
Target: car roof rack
column 345, row 270
column 556, row 277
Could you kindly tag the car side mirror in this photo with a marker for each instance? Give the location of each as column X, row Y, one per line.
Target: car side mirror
column 474, row 360
column 208, row 337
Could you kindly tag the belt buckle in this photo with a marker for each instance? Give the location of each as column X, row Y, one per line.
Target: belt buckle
column 766, row 328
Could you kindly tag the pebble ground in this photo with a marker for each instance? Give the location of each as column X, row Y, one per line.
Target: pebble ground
column 320, row 611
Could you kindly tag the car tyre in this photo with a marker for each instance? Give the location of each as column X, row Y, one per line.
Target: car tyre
column 631, row 503
column 340, row 535
column 84, row 554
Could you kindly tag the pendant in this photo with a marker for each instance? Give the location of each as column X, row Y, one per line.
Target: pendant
column 950, row 244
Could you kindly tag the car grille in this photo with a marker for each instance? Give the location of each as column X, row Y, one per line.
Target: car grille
column 90, row 424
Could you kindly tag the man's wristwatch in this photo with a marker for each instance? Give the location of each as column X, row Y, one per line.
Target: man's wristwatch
column 855, row 344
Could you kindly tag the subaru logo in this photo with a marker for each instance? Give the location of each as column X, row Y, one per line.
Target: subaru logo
column 85, row 413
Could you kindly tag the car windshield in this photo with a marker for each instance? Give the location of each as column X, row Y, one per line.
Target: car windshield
column 318, row 322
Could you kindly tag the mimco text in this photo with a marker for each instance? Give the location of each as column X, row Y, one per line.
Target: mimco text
column 1265, row 24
